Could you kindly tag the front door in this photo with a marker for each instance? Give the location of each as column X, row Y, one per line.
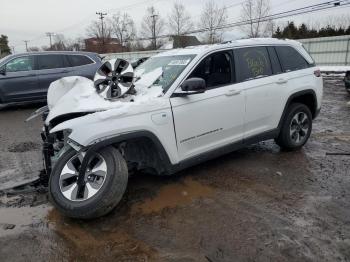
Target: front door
column 213, row 119
column 51, row 68
column 20, row 82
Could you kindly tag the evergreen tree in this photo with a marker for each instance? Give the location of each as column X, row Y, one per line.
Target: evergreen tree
column 303, row 31
column 4, row 47
column 278, row 33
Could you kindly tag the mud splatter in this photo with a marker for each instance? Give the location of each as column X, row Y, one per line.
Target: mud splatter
column 174, row 195
column 87, row 242
column 24, row 147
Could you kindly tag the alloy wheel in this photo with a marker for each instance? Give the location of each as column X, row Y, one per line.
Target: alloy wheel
column 299, row 128
column 92, row 181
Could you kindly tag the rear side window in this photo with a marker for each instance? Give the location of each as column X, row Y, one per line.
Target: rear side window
column 50, row 61
column 79, row 60
column 290, row 59
column 275, row 63
column 252, row 62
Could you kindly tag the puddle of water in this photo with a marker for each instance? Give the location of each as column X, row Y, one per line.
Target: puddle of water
column 174, row 195
column 92, row 240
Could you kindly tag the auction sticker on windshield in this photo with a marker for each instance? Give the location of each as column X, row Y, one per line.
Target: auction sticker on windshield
column 182, row 62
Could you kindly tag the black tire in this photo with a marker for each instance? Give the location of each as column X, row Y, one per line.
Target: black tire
column 285, row 139
column 107, row 197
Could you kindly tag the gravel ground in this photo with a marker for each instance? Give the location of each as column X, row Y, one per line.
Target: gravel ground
column 257, row 204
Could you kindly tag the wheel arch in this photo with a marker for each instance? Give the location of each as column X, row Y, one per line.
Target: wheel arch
column 307, row 97
column 142, row 146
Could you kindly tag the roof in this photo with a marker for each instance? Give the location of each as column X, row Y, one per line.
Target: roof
column 202, row 49
column 53, row 53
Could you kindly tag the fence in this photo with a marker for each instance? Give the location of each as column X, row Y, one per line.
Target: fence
column 329, row 51
column 132, row 55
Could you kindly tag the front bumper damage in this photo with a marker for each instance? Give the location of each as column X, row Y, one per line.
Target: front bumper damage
column 47, row 150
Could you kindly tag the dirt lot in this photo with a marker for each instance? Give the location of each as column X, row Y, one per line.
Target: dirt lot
column 257, row 204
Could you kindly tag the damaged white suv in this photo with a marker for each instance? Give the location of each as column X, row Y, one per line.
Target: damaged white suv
column 176, row 110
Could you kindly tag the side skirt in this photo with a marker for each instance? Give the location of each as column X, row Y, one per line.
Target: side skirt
column 223, row 150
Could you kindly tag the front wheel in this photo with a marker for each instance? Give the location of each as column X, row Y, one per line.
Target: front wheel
column 296, row 127
column 93, row 195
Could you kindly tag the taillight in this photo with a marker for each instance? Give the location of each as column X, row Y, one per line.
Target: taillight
column 317, row 73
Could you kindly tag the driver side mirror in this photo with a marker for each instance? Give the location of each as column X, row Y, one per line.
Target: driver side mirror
column 3, row 70
column 192, row 86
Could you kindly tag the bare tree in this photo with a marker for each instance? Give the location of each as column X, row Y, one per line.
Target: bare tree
column 95, row 30
column 152, row 26
column 33, row 49
column 212, row 18
column 123, row 27
column 180, row 20
column 255, row 11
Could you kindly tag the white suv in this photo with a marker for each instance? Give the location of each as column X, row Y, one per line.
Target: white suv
column 186, row 106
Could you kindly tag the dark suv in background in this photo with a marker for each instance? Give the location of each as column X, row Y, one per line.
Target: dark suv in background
column 26, row 77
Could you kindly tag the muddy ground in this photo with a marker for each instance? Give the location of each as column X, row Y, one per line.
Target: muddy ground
column 257, row 204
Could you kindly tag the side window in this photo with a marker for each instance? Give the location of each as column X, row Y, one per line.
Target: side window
column 25, row 63
column 215, row 69
column 79, row 60
column 50, row 61
column 290, row 58
column 252, row 62
column 275, row 63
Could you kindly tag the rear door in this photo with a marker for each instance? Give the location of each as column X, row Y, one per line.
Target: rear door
column 207, row 121
column 296, row 69
column 51, row 67
column 264, row 88
column 20, row 83
column 82, row 65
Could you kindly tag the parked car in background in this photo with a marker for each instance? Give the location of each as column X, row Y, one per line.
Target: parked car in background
column 26, row 77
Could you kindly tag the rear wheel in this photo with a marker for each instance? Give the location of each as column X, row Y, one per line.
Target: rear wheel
column 296, row 127
column 95, row 194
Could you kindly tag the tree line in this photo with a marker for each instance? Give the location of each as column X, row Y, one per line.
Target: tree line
column 303, row 31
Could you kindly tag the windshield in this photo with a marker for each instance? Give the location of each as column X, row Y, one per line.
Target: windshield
column 171, row 67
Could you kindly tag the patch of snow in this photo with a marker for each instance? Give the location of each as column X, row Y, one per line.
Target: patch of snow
column 339, row 69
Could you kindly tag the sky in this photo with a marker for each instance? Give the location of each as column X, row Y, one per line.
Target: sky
column 31, row 19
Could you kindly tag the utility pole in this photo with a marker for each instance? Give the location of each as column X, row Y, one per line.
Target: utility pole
column 26, row 42
column 102, row 16
column 50, row 35
column 154, row 30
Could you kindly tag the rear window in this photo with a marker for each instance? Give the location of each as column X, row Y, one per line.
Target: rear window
column 252, row 62
column 79, row 60
column 290, row 59
column 50, row 61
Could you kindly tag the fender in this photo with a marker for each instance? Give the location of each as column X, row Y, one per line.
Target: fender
column 296, row 95
column 117, row 139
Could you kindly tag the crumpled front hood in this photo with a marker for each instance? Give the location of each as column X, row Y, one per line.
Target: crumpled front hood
column 78, row 95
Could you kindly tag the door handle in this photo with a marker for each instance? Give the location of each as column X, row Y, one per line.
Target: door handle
column 281, row 81
column 233, row 92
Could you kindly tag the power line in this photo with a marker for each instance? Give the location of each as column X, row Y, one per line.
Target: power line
column 294, row 12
